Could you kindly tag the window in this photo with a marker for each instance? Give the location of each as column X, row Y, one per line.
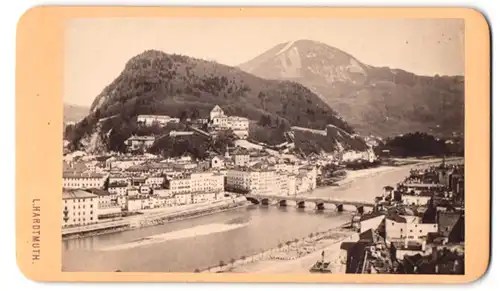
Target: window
column 401, row 230
column 411, row 230
column 393, row 223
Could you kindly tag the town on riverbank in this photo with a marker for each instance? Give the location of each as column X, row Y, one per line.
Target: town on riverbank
column 114, row 192
column 416, row 227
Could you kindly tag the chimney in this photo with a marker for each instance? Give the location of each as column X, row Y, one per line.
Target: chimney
column 424, row 244
column 406, row 242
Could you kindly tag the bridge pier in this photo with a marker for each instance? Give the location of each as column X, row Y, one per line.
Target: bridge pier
column 320, row 206
column 340, row 207
column 301, row 204
column 282, row 203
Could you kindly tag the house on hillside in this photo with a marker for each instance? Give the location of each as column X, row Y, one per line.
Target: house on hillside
column 135, row 143
column 220, row 121
column 161, row 120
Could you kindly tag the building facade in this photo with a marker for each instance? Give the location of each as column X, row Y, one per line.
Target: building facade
column 79, row 207
column 72, row 180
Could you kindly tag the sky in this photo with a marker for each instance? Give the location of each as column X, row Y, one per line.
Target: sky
column 97, row 49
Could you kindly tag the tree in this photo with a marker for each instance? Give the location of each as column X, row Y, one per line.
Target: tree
column 280, row 245
column 195, row 114
column 221, row 263
column 243, row 258
column 196, row 270
column 265, row 120
column 183, row 115
column 232, row 261
column 288, row 243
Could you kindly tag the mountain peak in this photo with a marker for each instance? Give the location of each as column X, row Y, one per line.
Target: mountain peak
column 308, row 59
column 379, row 100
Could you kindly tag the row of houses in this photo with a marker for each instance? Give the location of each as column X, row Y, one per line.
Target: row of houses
column 419, row 227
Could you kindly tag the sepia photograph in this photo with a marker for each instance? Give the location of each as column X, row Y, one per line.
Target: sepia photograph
column 263, row 145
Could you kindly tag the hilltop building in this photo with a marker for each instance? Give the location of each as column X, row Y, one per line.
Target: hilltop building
column 135, row 142
column 161, row 120
column 220, row 121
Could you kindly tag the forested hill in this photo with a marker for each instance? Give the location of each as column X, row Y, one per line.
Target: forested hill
column 158, row 83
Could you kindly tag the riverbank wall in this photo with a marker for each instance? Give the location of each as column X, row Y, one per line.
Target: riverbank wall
column 158, row 218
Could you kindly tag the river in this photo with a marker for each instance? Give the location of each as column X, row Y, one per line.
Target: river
column 201, row 242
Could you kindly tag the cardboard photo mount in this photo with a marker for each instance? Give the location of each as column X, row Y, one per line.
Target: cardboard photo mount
column 39, row 111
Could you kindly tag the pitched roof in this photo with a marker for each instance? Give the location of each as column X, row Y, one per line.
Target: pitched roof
column 99, row 192
column 76, row 194
column 395, row 217
column 371, row 215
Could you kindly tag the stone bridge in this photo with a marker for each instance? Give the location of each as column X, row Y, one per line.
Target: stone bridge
column 300, row 202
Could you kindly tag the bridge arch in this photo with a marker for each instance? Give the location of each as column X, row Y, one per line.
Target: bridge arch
column 282, row 203
column 320, row 205
column 265, row 201
column 253, row 200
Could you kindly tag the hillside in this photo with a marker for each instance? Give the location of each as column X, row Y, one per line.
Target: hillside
column 158, row 83
column 74, row 113
column 374, row 100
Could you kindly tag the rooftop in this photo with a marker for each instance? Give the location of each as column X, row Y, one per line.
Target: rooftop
column 81, row 175
column 99, row 192
column 76, row 194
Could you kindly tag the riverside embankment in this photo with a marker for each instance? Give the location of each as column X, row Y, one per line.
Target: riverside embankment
column 153, row 217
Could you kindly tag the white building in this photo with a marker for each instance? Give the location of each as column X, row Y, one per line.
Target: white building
column 73, row 180
column 419, row 200
column 175, row 133
column 134, row 204
column 219, row 121
column 241, row 159
column 411, row 228
column 155, row 181
column 161, row 120
column 139, row 142
column 351, row 155
column 196, row 182
column 79, row 207
column 217, row 162
column 259, row 181
column 204, row 197
column 118, row 188
column 183, row 199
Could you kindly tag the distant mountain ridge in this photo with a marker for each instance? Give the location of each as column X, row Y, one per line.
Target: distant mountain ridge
column 154, row 82
column 374, row 100
column 74, row 113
